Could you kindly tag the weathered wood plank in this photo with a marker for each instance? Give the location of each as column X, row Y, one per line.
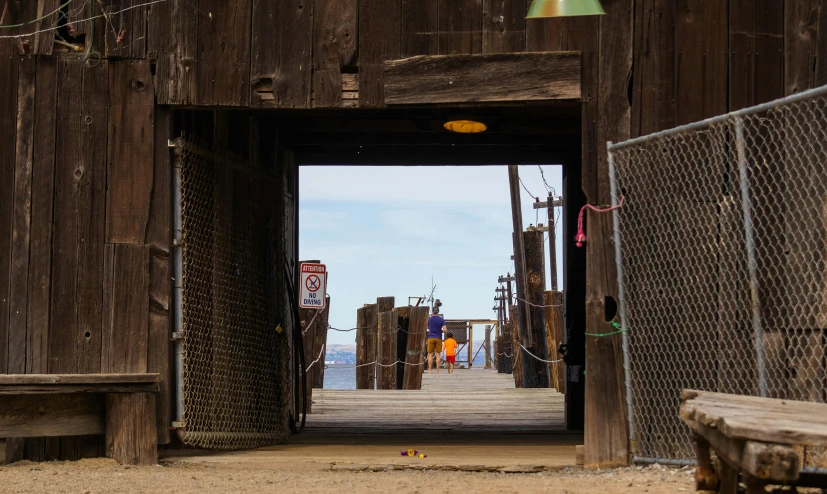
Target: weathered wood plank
column 89, row 208
column 334, row 46
column 700, row 67
column 801, row 39
column 158, row 237
column 44, row 41
column 757, row 419
column 8, row 120
column 129, row 337
column 606, row 426
column 52, row 415
column 480, row 399
column 74, row 176
column 130, row 428
column 17, row 13
column 379, row 40
column 21, row 216
column 505, row 77
column 504, row 26
column 420, row 26
column 460, row 27
column 126, row 28
column 653, row 84
column 756, row 42
column 172, row 44
column 223, row 53
column 281, row 45
column 43, row 189
column 159, row 333
column 130, row 170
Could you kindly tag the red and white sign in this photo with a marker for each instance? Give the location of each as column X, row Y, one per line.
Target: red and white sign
column 313, row 286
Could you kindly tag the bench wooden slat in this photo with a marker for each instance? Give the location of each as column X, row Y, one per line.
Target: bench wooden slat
column 21, row 384
column 758, row 419
column 52, row 415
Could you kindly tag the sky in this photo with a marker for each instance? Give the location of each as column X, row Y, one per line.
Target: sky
column 387, row 231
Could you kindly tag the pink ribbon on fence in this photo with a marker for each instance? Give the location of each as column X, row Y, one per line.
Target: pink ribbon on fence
column 580, row 238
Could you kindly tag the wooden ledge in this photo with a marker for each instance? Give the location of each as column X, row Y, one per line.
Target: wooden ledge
column 19, row 384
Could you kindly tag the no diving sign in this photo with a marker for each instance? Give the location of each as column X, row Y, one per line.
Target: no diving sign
column 313, row 286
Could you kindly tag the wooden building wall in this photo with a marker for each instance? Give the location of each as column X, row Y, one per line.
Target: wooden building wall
column 79, row 174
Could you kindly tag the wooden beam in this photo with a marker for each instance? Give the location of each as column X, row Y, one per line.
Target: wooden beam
column 482, row 78
column 53, row 415
column 15, row 384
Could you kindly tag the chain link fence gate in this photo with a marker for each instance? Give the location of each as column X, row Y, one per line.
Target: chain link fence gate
column 234, row 362
column 722, row 246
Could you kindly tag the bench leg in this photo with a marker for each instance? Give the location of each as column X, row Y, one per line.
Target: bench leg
column 705, row 477
column 754, row 486
column 131, row 437
column 729, row 479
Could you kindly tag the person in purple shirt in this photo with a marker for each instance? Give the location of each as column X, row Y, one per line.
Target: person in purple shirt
column 436, row 326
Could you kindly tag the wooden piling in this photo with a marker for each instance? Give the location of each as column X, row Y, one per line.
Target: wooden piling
column 320, row 342
column 403, row 315
column 386, row 350
column 554, row 334
column 415, row 355
column 366, row 338
column 535, row 371
column 516, row 352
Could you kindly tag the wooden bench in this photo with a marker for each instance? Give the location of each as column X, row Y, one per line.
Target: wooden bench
column 119, row 406
column 759, row 439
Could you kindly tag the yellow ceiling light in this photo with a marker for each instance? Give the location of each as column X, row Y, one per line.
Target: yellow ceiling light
column 465, row 126
column 563, row 8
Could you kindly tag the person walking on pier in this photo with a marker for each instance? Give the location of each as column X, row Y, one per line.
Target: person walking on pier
column 450, row 345
column 436, row 326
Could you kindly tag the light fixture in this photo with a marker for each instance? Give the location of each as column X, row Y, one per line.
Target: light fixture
column 563, row 8
column 465, row 126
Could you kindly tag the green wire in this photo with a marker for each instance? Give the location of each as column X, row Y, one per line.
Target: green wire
column 614, row 325
column 57, row 11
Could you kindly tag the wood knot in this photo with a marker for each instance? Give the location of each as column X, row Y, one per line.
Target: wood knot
column 88, row 119
column 137, row 85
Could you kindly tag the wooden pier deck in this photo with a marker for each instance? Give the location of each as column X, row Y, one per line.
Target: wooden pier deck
column 468, row 400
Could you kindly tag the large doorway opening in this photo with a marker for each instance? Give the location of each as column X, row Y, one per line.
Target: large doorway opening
column 281, row 145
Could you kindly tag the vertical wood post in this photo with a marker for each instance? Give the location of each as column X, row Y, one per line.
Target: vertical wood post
column 554, row 325
column 130, row 428
column 386, row 373
column 366, row 336
column 362, row 372
column 519, row 263
column 415, row 357
column 535, row 372
column 488, row 346
column 552, row 243
column 516, row 354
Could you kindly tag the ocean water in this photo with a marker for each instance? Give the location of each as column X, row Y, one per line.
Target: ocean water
column 341, row 376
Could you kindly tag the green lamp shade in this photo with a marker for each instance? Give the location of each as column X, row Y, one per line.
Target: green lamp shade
column 563, row 8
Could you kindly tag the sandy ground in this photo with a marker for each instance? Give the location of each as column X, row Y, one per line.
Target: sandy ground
column 303, row 476
column 358, row 464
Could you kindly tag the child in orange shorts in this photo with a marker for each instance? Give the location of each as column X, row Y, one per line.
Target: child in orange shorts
column 450, row 345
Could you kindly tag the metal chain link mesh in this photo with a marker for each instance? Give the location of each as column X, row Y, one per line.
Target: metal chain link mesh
column 723, row 244
column 233, row 371
column 459, row 329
